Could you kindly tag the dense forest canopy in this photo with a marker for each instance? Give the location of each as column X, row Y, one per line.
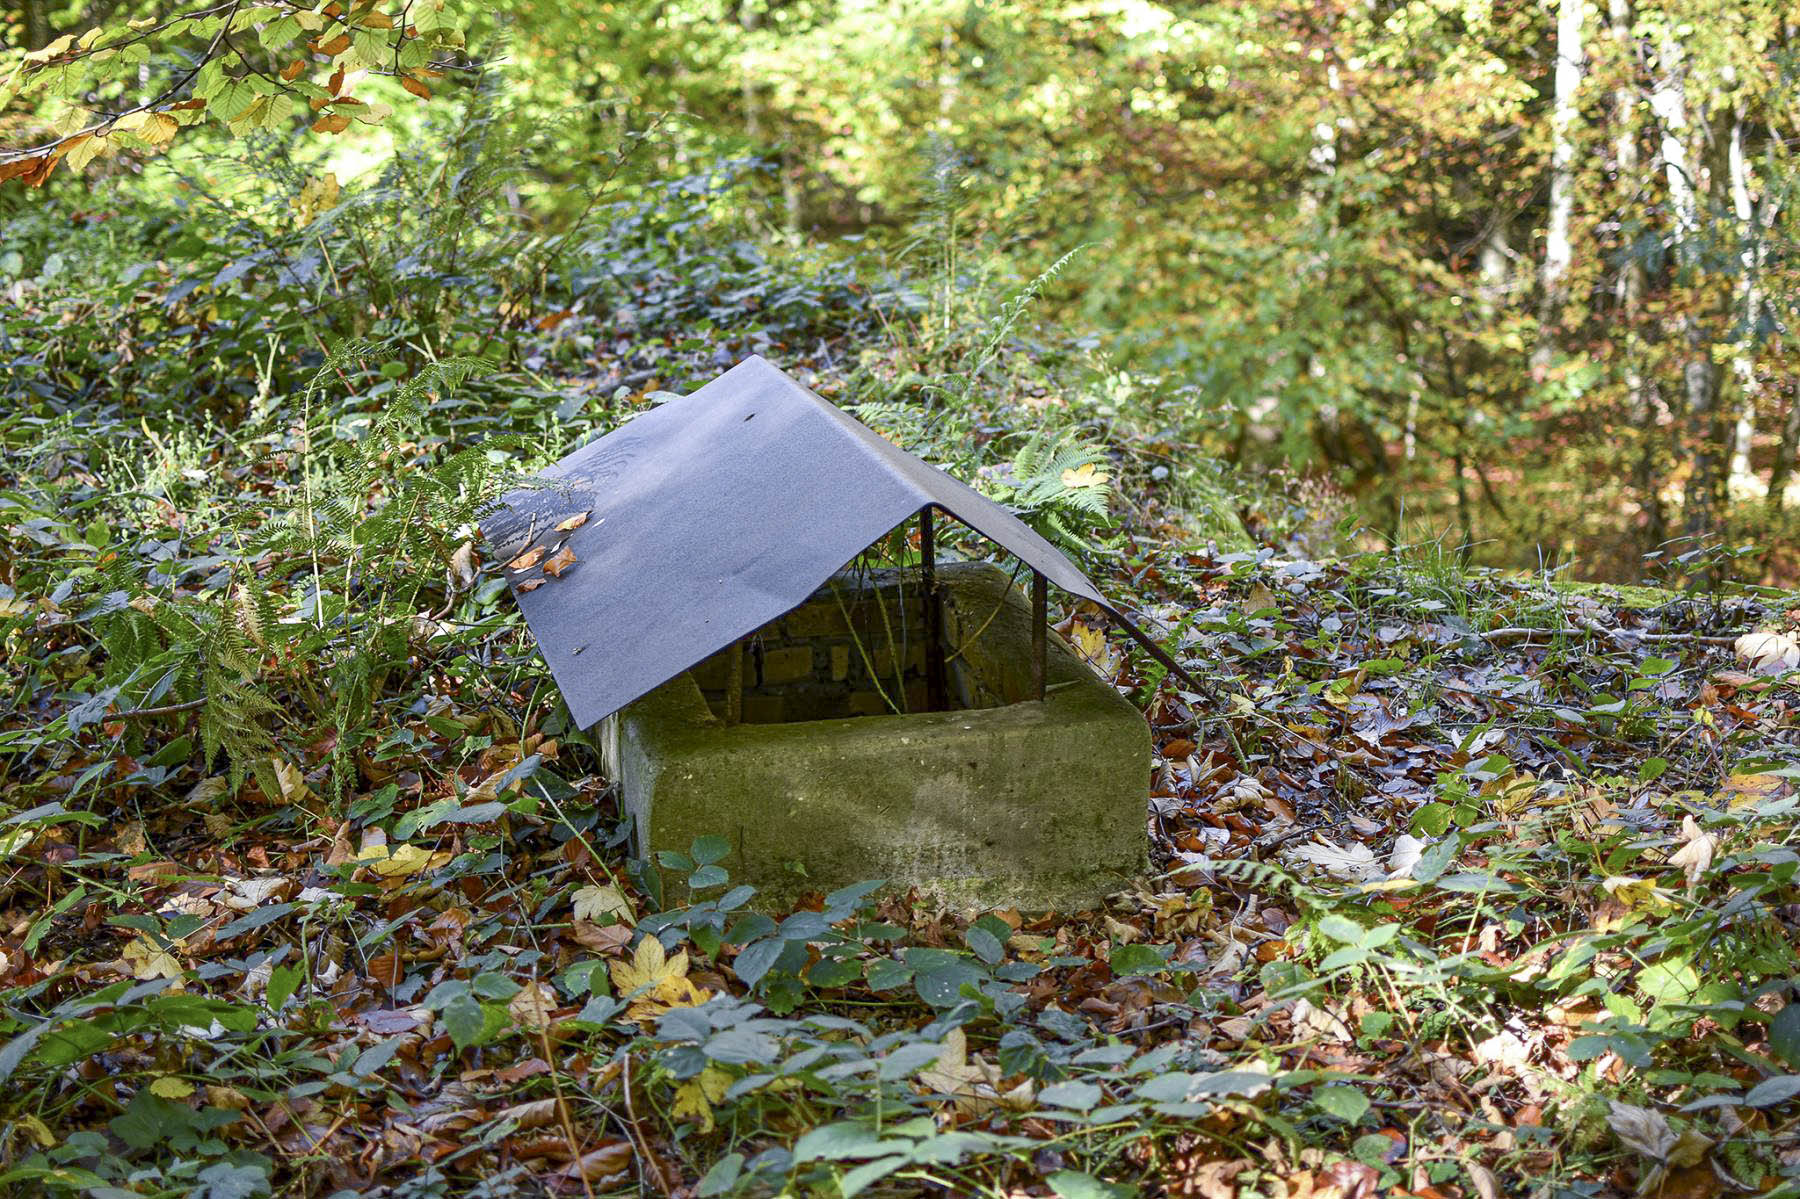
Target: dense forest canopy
column 1516, row 273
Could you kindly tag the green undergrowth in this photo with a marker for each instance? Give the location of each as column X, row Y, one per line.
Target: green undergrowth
column 311, row 888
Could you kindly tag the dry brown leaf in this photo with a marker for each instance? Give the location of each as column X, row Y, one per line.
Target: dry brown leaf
column 530, row 585
column 560, row 561
column 535, row 1114
column 527, row 560
column 573, row 522
column 1695, row 857
column 605, row 1164
column 1769, row 653
column 608, row 940
column 532, row 1006
column 462, row 566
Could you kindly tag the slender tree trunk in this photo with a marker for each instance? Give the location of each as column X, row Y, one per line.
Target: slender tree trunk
column 1742, row 480
column 37, row 25
column 1628, row 288
column 1699, row 374
column 1558, row 252
column 1785, row 453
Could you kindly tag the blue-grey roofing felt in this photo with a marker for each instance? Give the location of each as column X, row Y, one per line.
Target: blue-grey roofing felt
column 707, row 518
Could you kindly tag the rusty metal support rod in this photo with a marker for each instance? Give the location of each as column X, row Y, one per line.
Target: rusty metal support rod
column 734, row 682
column 1040, row 620
column 936, row 688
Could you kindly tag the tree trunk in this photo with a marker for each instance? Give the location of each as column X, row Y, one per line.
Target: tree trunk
column 1558, row 253
column 1785, row 453
column 1742, row 480
column 1699, row 373
column 37, row 25
column 1628, row 288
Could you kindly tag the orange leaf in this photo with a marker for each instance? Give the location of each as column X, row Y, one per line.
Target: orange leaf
column 559, row 562
column 375, row 20
column 415, row 87
column 331, row 123
column 41, row 168
column 18, row 166
column 527, row 560
column 292, row 71
column 336, row 45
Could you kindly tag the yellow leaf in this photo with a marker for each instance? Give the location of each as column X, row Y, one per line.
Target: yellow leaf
column 657, row 982
column 54, row 49
column 292, row 782
column 527, row 560
column 1636, row 892
column 399, row 861
column 1747, row 790
column 1086, row 475
column 170, row 1087
column 79, row 151
column 593, row 903
column 36, row 1129
column 149, row 960
column 696, row 1096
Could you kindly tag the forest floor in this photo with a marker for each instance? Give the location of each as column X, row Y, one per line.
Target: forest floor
column 1464, row 884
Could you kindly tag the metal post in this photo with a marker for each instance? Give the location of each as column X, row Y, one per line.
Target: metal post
column 936, row 689
column 1040, row 620
column 734, row 682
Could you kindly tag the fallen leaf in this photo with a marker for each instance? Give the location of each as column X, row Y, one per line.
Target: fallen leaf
column 1695, row 856
column 1642, row 1130
column 403, row 860
column 559, row 562
column 607, row 940
column 1085, row 475
column 696, row 1096
column 573, row 523
column 171, row 1087
column 606, row 1164
column 658, row 982
column 149, row 960
column 1769, row 653
column 532, row 1006
column 527, row 560
column 592, row 903
column 292, row 781
column 531, row 584
column 1355, row 863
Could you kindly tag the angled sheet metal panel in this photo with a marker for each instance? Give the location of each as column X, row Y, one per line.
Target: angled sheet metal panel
column 710, row 516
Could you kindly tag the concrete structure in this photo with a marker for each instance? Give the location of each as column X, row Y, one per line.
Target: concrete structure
column 1004, row 800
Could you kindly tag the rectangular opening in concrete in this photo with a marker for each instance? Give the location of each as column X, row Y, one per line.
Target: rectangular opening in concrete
column 1005, row 801
column 857, row 648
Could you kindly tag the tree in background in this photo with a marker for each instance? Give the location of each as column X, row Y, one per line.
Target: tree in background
column 1522, row 271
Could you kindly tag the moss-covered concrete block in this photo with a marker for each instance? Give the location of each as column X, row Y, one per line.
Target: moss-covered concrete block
column 1007, row 801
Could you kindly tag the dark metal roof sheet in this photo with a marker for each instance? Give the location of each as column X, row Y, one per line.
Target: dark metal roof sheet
column 707, row 518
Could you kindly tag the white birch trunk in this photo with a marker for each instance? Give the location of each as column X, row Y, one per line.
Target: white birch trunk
column 1743, row 482
column 1558, row 252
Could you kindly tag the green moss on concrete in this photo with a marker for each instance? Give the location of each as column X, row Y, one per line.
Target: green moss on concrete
column 1621, row 595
